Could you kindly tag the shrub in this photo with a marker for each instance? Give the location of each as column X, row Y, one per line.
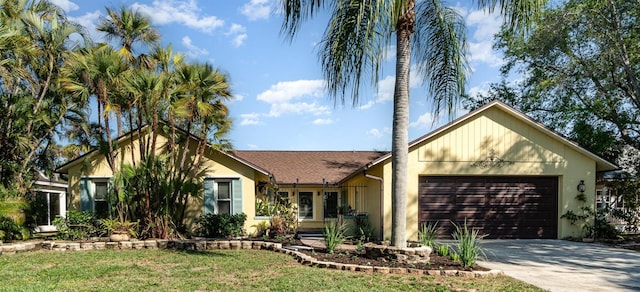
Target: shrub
column 364, row 229
column 443, row 250
column 333, row 235
column 468, row 241
column 427, row 234
column 261, row 228
column 277, row 226
column 9, row 230
column 78, row 225
column 221, row 225
column 605, row 230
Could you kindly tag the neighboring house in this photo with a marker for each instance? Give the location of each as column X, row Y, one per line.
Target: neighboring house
column 506, row 174
column 51, row 201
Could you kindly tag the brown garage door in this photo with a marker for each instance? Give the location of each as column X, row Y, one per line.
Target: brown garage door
column 500, row 207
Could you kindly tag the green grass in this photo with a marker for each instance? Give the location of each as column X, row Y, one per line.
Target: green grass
column 241, row 270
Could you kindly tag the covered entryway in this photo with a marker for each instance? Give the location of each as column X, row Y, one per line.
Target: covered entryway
column 499, row 206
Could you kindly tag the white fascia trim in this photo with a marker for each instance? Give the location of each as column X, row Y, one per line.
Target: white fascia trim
column 50, row 184
column 222, row 177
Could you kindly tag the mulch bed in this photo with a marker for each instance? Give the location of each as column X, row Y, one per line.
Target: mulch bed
column 436, row 262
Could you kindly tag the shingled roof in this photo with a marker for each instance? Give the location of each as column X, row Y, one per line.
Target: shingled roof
column 309, row 167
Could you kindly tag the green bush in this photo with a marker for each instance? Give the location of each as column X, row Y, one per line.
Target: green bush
column 468, row 241
column 9, row 230
column 443, row 250
column 427, row 234
column 221, row 225
column 364, row 229
column 333, row 235
column 605, row 230
column 78, row 225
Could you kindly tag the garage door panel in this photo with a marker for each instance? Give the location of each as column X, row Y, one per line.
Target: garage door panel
column 499, row 207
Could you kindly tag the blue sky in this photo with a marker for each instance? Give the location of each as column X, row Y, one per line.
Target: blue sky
column 279, row 98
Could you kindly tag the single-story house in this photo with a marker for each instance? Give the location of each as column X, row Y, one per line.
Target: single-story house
column 502, row 172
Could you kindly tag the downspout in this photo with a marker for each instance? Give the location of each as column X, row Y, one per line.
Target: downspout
column 381, row 181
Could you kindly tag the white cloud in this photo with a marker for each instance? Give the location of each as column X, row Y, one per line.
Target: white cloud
column 323, row 122
column 239, row 40
column 315, row 109
column 192, row 50
column 387, row 85
column 486, row 25
column 378, row 133
column 250, row 119
column 423, row 121
column 66, row 5
column 238, row 34
column 375, row 133
column 183, row 12
column 252, row 146
column 236, row 29
column 285, row 91
column 89, row 21
column 257, row 9
column 295, row 97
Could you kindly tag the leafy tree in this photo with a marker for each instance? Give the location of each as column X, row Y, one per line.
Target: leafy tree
column 128, row 27
column 356, row 39
column 35, row 43
column 580, row 65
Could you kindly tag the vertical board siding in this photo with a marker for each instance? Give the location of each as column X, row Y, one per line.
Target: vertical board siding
column 511, row 139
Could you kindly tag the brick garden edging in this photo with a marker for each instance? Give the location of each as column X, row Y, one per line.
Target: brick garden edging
column 201, row 245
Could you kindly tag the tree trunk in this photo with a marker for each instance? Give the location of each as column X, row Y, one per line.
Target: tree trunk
column 400, row 146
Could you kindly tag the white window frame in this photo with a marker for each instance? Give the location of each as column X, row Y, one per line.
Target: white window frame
column 313, row 213
column 216, row 193
column 93, row 190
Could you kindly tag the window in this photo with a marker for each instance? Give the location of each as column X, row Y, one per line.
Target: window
column 222, row 196
column 47, row 206
column 223, row 190
column 331, row 205
column 305, row 205
column 100, row 199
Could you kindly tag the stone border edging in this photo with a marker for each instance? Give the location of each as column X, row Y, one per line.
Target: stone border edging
column 201, row 245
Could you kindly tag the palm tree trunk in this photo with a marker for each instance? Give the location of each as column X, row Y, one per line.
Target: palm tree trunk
column 400, row 146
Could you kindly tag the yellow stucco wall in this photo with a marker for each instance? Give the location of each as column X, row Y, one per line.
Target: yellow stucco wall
column 218, row 165
column 451, row 153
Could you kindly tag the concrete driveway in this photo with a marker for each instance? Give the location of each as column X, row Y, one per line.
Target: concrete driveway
column 559, row 265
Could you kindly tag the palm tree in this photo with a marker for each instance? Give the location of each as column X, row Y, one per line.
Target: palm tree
column 34, row 44
column 97, row 71
column 356, row 39
column 128, row 27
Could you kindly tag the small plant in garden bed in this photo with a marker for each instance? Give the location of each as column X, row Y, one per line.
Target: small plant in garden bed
column 468, row 244
column 427, row 234
column 333, row 235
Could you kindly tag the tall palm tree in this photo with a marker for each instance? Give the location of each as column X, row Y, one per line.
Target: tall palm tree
column 34, row 44
column 129, row 27
column 97, row 71
column 356, row 39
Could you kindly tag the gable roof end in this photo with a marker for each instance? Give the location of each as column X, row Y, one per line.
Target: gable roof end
column 601, row 163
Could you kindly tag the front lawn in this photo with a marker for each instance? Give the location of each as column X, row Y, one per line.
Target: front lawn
column 228, row 270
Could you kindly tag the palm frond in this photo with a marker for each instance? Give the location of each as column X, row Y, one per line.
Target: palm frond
column 519, row 14
column 295, row 12
column 353, row 45
column 439, row 50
